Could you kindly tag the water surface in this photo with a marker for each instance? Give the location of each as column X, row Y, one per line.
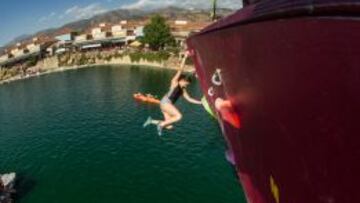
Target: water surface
column 77, row 136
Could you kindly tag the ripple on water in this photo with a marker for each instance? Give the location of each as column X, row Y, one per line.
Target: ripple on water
column 80, row 133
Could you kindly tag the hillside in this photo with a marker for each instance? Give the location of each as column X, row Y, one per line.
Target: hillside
column 170, row 13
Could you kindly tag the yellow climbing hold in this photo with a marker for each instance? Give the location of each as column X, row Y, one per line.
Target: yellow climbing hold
column 275, row 189
column 207, row 107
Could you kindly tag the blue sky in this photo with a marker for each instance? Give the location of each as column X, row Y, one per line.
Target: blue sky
column 18, row 17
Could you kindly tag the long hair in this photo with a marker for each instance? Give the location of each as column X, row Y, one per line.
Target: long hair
column 185, row 77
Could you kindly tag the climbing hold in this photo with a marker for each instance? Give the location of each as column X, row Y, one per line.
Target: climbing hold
column 207, row 107
column 211, row 92
column 216, row 78
column 230, row 157
column 275, row 189
column 191, row 52
column 227, row 112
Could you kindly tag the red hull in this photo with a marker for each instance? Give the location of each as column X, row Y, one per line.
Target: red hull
column 290, row 98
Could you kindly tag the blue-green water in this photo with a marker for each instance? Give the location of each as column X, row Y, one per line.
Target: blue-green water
column 77, row 137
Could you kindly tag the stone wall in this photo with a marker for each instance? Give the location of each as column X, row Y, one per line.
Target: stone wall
column 51, row 63
column 47, row 63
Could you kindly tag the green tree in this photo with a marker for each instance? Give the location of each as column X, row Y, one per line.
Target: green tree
column 157, row 33
column 32, row 61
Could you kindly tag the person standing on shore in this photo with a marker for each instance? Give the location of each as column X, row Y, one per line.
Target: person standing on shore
column 170, row 112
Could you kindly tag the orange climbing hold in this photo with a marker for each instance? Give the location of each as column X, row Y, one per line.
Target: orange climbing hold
column 227, row 112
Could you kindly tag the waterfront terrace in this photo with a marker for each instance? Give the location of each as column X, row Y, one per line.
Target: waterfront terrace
column 103, row 36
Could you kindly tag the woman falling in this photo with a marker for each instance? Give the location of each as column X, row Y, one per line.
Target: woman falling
column 171, row 113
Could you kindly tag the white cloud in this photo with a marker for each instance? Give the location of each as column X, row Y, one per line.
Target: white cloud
column 151, row 4
column 47, row 18
column 73, row 13
column 78, row 12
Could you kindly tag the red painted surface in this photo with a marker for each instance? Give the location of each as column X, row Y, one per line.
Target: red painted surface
column 295, row 84
column 227, row 112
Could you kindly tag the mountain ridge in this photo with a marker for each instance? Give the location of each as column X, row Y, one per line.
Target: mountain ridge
column 114, row 16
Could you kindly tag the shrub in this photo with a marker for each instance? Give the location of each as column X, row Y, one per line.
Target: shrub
column 83, row 60
column 32, row 61
column 159, row 56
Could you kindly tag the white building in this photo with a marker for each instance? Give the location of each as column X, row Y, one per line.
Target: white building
column 33, row 48
column 17, row 52
column 82, row 38
column 100, row 32
column 66, row 38
column 139, row 31
column 4, row 58
column 118, row 31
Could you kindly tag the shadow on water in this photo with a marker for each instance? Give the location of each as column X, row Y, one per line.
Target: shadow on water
column 24, row 185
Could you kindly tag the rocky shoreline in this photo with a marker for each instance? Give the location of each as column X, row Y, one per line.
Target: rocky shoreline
column 76, row 60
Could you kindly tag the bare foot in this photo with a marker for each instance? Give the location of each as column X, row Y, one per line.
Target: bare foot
column 170, row 127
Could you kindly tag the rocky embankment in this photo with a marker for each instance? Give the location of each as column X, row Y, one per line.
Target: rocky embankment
column 79, row 60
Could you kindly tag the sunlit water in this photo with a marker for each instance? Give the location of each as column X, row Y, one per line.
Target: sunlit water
column 77, row 136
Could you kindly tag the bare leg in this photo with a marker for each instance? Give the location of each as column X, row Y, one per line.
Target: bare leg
column 171, row 111
column 151, row 121
column 167, row 117
column 155, row 122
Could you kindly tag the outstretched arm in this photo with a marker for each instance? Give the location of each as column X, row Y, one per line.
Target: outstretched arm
column 190, row 99
column 178, row 74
